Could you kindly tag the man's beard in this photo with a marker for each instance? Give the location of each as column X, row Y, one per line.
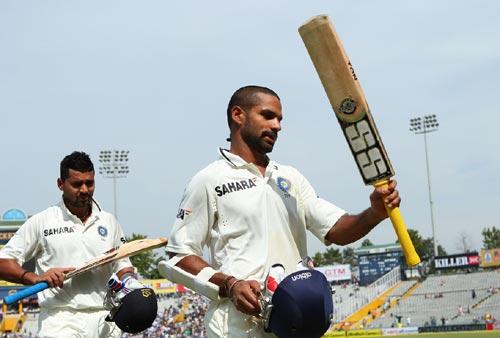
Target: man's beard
column 78, row 203
column 257, row 143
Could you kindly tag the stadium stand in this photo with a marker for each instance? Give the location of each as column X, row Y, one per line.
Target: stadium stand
column 351, row 303
column 445, row 299
column 179, row 315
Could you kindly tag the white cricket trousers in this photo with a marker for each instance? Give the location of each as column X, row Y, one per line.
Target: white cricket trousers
column 222, row 320
column 72, row 323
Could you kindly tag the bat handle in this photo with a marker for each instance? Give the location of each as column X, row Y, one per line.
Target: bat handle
column 399, row 225
column 29, row 291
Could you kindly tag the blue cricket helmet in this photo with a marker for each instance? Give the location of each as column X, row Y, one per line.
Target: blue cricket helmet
column 302, row 306
column 136, row 311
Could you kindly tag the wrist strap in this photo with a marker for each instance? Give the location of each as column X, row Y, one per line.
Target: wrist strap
column 22, row 276
column 224, row 288
column 231, row 286
column 127, row 275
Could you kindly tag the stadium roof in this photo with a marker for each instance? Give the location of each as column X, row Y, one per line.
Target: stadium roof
column 365, row 250
column 12, row 218
column 14, row 215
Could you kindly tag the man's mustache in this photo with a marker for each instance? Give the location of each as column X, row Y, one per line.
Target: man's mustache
column 271, row 134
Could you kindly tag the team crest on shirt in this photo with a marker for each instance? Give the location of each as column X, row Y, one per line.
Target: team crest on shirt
column 102, row 231
column 284, row 184
column 183, row 213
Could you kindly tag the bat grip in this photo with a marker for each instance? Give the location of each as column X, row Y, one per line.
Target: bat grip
column 29, row 291
column 398, row 223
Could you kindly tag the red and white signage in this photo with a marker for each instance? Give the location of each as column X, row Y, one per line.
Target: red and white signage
column 464, row 260
column 336, row 272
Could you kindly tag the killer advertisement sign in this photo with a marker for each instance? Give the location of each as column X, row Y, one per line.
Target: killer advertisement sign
column 465, row 260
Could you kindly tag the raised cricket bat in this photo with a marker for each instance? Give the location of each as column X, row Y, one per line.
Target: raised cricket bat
column 123, row 251
column 349, row 104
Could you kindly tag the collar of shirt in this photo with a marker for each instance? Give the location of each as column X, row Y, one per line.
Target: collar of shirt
column 94, row 216
column 237, row 162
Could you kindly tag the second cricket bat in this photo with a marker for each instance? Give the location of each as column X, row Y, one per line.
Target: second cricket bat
column 349, row 104
column 123, row 251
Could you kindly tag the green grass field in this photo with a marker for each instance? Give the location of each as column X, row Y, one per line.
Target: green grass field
column 471, row 334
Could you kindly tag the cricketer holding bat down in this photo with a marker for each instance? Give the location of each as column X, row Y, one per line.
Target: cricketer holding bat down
column 253, row 212
column 61, row 238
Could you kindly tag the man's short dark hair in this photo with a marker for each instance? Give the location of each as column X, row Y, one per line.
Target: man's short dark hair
column 246, row 98
column 77, row 160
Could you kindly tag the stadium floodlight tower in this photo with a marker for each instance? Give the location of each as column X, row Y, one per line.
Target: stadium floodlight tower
column 114, row 164
column 426, row 125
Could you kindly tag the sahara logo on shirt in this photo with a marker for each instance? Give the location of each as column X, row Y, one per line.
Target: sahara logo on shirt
column 57, row 231
column 230, row 187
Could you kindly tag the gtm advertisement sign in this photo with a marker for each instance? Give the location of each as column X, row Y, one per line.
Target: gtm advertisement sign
column 336, row 272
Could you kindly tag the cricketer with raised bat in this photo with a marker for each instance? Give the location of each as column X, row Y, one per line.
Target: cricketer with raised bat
column 252, row 212
column 61, row 238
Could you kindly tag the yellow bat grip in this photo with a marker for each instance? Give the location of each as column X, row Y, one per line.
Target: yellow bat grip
column 398, row 222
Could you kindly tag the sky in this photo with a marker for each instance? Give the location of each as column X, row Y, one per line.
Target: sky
column 154, row 78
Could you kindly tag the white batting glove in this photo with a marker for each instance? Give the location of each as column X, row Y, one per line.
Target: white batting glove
column 120, row 288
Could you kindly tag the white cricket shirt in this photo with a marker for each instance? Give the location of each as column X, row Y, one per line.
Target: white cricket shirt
column 56, row 238
column 250, row 221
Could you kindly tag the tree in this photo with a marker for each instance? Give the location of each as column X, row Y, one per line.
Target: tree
column 441, row 250
column 332, row 256
column 366, row 242
column 349, row 257
column 318, row 259
column 335, row 256
column 491, row 238
column 424, row 246
column 419, row 243
column 145, row 262
column 430, row 247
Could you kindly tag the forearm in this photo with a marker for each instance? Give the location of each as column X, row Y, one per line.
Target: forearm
column 194, row 264
column 243, row 293
column 350, row 228
column 12, row 272
column 124, row 271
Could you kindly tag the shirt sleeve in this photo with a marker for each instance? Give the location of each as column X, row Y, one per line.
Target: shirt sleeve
column 320, row 215
column 25, row 243
column 192, row 226
column 119, row 240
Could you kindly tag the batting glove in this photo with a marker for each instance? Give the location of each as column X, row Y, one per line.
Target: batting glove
column 117, row 289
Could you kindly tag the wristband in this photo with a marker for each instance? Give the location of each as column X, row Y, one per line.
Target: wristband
column 22, row 276
column 224, row 288
column 127, row 275
column 230, row 288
